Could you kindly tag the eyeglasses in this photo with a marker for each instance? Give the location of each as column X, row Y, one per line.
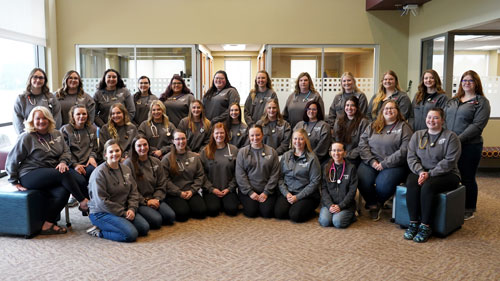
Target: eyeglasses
column 38, row 77
column 179, row 139
column 389, row 108
column 467, row 81
column 176, row 83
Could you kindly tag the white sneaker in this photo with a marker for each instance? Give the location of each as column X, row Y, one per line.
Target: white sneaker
column 94, row 231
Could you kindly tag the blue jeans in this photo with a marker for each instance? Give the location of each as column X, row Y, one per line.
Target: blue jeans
column 341, row 219
column 119, row 228
column 467, row 164
column 377, row 187
column 155, row 218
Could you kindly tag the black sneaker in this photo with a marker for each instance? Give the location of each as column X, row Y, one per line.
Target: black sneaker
column 468, row 215
column 424, row 232
column 411, row 231
column 94, row 231
column 375, row 213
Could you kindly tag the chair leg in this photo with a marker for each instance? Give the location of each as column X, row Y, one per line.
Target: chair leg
column 66, row 214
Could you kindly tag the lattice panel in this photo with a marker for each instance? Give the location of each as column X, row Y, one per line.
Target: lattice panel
column 331, row 87
column 491, row 89
column 158, row 85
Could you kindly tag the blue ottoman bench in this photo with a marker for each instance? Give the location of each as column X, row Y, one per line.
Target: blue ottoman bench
column 21, row 212
column 448, row 214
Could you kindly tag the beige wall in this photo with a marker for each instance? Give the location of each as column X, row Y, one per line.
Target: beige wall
column 235, row 21
column 441, row 16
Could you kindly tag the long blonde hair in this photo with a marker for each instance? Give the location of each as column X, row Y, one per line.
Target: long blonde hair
column 381, row 94
column 265, row 117
column 111, row 124
column 164, row 114
column 30, row 127
column 355, row 85
column 269, row 85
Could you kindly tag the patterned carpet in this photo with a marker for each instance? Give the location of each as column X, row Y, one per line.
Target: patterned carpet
column 225, row 248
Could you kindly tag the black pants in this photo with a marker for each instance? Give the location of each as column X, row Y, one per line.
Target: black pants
column 252, row 208
column 420, row 199
column 300, row 211
column 56, row 186
column 228, row 203
column 193, row 207
column 467, row 164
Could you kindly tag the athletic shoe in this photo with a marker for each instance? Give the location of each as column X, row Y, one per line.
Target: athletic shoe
column 94, row 231
column 468, row 215
column 424, row 232
column 411, row 231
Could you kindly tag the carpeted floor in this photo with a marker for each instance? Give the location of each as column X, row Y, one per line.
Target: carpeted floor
column 225, row 248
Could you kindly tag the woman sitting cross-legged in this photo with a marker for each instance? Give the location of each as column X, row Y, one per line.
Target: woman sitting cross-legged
column 338, row 190
column 148, row 173
column 114, row 199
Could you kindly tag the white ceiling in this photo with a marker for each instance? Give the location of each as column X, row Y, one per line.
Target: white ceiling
column 219, row 48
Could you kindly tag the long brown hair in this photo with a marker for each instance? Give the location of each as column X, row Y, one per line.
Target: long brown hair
column 164, row 114
column 422, row 89
column 204, row 121
column 72, row 112
column 477, row 83
column 172, row 158
column 212, row 145
column 311, row 85
column 135, row 157
column 343, row 131
column 381, row 94
column 379, row 123
column 45, row 88
column 63, row 91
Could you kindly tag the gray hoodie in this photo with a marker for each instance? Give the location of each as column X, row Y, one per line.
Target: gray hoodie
column 402, row 100
column 160, row 138
column 217, row 107
column 126, row 135
column 33, row 151
column 277, row 136
column 420, row 110
column 197, row 139
column 178, row 107
column 112, row 191
column 352, row 148
column 300, row 176
column 389, row 147
column 82, row 143
column 153, row 184
column 105, row 99
column 319, row 136
column 257, row 170
column 27, row 101
column 468, row 119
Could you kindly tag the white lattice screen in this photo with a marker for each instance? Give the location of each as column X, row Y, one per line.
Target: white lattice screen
column 491, row 89
column 331, row 87
column 158, row 85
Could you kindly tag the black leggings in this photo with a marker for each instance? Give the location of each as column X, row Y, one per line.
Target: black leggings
column 300, row 211
column 193, row 207
column 228, row 203
column 252, row 208
column 48, row 178
column 420, row 199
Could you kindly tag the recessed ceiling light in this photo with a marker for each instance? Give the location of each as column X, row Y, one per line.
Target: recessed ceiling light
column 233, row 47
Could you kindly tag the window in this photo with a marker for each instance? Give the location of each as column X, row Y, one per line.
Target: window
column 238, row 72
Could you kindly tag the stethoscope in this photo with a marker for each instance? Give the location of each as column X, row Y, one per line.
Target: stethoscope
column 305, row 99
column 117, row 181
column 78, row 137
column 154, row 130
column 432, row 144
column 392, row 128
column 140, row 102
column 229, row 153
column 33, row 101
column 312, row 128
column 44, row 143
column 113, row 98
column 339, row 180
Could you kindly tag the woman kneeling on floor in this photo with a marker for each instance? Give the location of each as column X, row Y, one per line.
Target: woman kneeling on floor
column 114, row 199
column 338, row 190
